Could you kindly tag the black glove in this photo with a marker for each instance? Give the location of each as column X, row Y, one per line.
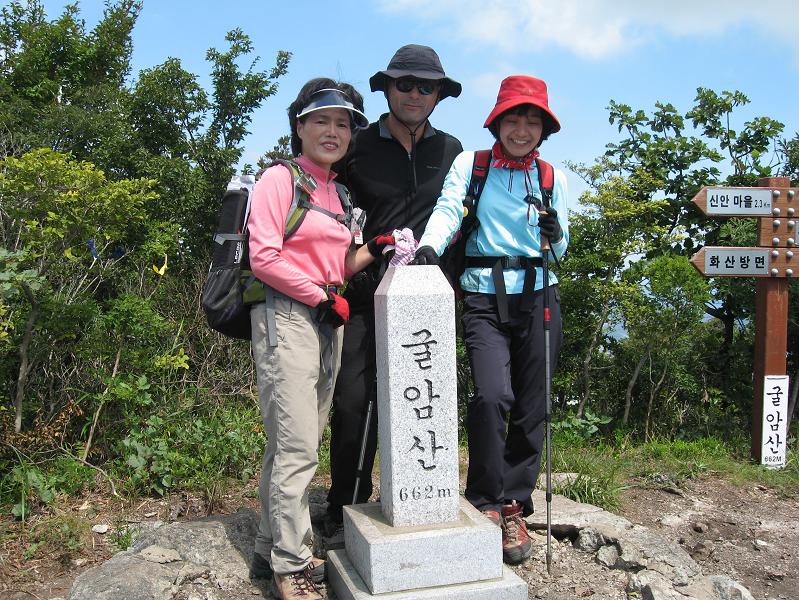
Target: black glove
column 377, row 243
column 334, row 311
column 425, row 255
column 549, row 226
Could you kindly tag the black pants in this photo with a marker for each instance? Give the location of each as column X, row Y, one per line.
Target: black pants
column 506, row 416
column 355, row 386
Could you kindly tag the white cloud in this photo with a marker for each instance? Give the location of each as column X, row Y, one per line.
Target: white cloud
column 596, row 29
column 485, row 85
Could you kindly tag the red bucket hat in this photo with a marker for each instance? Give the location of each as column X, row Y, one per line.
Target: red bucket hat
column 521, row 89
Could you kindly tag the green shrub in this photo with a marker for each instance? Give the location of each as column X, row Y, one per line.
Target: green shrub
column 167, row 452
column 580, row 429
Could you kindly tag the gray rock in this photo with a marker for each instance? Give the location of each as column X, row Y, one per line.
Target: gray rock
column 641, row 549
column 702, row 550
column 570, row 517
column 589, row 540
column 700, row 527
column 759, row 545
column 201, row 559
column 716, row 587
column 159, row 555
column 607, row 556
column 651, row 585
column 658, row 569
column 728, row 589
column 207, row 559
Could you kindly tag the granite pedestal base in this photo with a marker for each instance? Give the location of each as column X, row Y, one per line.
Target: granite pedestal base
column 348, row 585
column 460, row 559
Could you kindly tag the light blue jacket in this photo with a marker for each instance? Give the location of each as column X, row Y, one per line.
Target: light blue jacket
column 504, row 228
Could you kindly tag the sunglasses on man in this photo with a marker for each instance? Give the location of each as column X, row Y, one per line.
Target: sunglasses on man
column 425, row 87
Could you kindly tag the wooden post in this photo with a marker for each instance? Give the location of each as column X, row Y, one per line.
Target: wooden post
column 771, row 332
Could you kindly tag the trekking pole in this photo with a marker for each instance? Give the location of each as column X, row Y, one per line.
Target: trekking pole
column 545, row 249
column 364, row 438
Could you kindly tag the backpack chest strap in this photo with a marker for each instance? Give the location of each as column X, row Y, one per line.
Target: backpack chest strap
column 305, row 203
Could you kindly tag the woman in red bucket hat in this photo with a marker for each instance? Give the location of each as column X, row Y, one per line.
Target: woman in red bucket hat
column 522, row 203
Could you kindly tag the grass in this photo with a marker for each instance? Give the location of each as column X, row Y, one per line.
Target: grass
column 59, row 533
column 605, row 470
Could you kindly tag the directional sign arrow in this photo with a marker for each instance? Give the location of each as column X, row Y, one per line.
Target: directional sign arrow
column 745, row 202
column 728, row 261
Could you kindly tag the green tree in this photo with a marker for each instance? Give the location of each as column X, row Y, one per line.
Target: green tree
column 70, row 227
column 189, row 139
column 66, row 88
column 614, row 227
column 109, row 186
column 661, row 315
column 60, row 86
column 679, row 153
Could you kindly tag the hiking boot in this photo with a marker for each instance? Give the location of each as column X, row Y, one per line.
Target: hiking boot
column 516, row 542
column 260, row 567
column 317, row 569
column 493, row 516
column 295, row 586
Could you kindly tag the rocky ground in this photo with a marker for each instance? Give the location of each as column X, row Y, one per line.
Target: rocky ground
column 747, row 535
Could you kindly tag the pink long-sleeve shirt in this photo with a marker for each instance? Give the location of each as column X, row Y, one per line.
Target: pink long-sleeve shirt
column 315, row 254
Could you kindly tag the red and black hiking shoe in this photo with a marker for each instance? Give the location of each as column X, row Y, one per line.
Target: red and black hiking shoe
column 516, row 542
column 493, row 516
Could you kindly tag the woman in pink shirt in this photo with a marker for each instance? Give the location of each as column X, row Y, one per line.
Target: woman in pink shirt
column 297, row 364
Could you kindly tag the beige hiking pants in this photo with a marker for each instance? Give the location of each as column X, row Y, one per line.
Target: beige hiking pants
column 295, row 394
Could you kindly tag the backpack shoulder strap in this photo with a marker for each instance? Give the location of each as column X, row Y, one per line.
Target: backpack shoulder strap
column 303, row 185
column 346, row 203
column 546, row 180
column 480, row 167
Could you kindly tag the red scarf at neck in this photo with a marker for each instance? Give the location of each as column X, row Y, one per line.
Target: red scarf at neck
column 500, row 159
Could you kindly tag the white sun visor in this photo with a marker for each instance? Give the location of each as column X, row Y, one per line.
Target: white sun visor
column 333, row 98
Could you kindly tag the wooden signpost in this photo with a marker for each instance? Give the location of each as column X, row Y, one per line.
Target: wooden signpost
column 773, row 262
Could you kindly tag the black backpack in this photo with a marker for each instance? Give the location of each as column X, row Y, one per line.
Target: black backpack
column 453, row 260
column 231, row 288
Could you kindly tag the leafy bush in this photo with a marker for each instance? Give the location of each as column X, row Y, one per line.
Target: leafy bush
column 580, row 429
column 163, row 454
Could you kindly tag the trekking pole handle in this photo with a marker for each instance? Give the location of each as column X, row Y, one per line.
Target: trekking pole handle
column 545, row 246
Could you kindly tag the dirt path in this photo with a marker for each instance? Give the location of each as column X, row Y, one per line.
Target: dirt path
column 748, row 533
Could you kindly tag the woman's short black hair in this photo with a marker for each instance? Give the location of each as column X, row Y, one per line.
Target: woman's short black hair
column 304, row 98
column 521, row 110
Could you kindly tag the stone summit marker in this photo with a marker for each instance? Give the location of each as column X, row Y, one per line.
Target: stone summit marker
column 422, row 540
column 417, row 398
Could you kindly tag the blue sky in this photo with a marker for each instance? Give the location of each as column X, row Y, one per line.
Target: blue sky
column 588, row 51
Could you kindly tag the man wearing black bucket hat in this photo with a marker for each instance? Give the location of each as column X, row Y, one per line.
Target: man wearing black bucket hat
column 395, row 172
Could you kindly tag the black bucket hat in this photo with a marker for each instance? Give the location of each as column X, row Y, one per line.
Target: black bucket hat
column 417, row 61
